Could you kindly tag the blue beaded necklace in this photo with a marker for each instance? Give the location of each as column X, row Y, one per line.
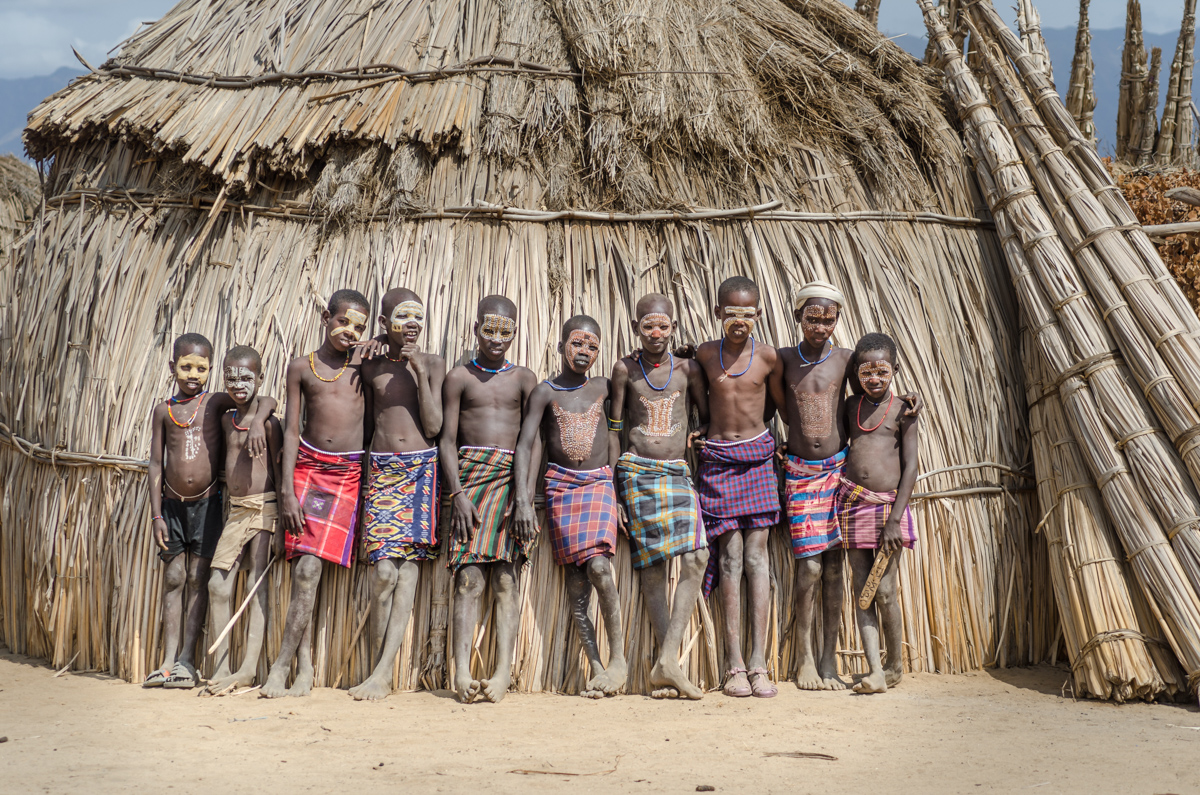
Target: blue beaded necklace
column 558, row 388
column 670, row 372
column 805, row 358
column 725, row 373
column 505, row 368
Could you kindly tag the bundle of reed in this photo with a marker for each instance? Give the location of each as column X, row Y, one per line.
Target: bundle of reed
column 1111, row 644
column 563, row 155
column 1175, row 144
column 1050, row 262
column 1029, row 23
column 1144, row 150
column 1131, row 101
column 1081, row 91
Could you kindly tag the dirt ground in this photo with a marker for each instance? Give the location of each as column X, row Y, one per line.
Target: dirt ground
column 1008, row 730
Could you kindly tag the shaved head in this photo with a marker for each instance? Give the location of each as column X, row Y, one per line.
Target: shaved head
column 580, row 322
column 397, row 295
column 654, row 303
column 496, row 305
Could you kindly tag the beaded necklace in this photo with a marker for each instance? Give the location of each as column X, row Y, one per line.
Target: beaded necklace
column 858, row 418
column 505, row 368
column 670, row 371
column 313, row 367
column 725, row 373
column 558, row 388
column 174, row 400
column 233, row 420
column 805, row 358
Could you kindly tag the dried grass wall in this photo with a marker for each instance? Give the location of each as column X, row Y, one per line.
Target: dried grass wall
column 235, row 210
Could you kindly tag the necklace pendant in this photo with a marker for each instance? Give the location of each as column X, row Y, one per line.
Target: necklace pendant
column 724, row 375
column 656, row 364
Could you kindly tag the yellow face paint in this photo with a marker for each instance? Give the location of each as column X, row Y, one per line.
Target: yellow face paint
column 355, row 326
column 405, row 313
column 497, row 328
column 193, row 366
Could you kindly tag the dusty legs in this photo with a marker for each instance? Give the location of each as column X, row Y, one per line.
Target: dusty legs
column 393, row 586
column 297, row 633
column 220, row 592
column 605, row 680
column 746, row 552
column 878, row 678
column 669, row 625
column 468, row 590
column 190, row 571
column 826, row 569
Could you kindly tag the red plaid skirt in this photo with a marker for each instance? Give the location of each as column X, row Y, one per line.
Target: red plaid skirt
column 327, row 486
column 582, row 506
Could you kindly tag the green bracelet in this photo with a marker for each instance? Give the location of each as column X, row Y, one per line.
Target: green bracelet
column 615, row 425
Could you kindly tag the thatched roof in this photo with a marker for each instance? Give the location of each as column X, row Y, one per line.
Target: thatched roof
column 624, row 105
column 19, row 195
column 238, row 161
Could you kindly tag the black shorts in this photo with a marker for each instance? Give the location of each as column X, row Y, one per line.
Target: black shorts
column 193, row 527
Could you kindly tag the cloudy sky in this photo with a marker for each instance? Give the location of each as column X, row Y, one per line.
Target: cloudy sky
column 36, row 36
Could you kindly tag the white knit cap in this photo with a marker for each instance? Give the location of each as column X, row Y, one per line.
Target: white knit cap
column 818, row 289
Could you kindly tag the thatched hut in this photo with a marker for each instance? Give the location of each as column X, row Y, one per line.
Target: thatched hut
column 238, row 161
column 19, row 195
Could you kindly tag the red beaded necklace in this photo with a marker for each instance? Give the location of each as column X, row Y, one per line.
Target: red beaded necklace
column 858, row 419
column 195, row 414
column 233, row 420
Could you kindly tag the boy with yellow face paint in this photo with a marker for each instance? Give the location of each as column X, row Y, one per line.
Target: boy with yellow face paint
column 321, row 475
column 186, row 445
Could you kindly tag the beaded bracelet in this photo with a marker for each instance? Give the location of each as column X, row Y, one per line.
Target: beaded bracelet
column 615, row 425
column 156, row 518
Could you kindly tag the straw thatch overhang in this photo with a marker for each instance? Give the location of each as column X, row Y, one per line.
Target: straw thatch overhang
column 238, row 161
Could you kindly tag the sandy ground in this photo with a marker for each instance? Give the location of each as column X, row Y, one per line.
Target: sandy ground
column 1005, row 730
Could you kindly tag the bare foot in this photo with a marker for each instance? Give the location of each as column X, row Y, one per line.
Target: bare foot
column 809, row 679
column 495, row 688
column 465, row 687
column 671, row 675
column 592, row 693
column 872, row 683
column 303, row 684
column 893, row 677
column 276, row 685
column 664, row 692
column 220, row 685
column 372, row 689
column 831, row 681
column 611, row 679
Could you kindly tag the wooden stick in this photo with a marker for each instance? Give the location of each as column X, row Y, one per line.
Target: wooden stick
column 245, row 603
column 873, row 579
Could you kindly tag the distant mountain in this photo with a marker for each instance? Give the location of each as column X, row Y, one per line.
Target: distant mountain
column 18, row 97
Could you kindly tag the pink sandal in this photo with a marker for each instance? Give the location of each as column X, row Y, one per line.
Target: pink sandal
column 759, row 690
column 735, row 692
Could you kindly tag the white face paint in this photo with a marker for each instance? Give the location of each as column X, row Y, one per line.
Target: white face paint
column 875, row 376
column 740, row 314
column 407, row 313
column 241, row 383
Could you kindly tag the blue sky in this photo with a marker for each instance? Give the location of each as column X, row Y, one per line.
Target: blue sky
column 36, row 36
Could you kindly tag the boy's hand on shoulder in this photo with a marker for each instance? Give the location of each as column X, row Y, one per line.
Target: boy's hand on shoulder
column 685, row 351
column 159, row 526
column 372, row 348
column 290, row 514
column 915, row 403
column 890, row 539
column 256, row 438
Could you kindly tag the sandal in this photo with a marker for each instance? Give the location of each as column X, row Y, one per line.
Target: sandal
column 759, row 689
column 156, row 678
column 183, row 677
column 735, row 692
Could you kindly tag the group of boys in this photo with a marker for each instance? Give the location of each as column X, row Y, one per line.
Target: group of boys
column 381, row 417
